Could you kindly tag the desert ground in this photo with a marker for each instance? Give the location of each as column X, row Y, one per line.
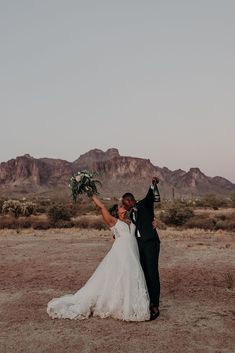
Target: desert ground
column 197, row 294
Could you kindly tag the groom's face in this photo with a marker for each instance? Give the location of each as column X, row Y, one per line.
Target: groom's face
column 128, row 203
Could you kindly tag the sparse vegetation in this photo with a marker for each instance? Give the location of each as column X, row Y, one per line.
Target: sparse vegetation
column 232, row 199
column 176, row 215
column 229, row 280
column 209, row 221
column 18, row 208
column 58, row 213
column 46, row 213
column 1, row 204
column 212, row 201
column 86, row 223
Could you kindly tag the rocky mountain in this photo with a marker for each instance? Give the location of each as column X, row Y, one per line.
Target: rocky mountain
column 28, row 176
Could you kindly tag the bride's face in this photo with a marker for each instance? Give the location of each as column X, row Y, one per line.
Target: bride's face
column 121, row 212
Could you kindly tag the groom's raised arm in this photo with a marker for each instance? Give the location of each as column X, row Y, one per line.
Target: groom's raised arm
column 152, row 194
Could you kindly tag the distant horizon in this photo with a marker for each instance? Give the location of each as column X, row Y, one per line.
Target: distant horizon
column 122, row 155
column 154, row 78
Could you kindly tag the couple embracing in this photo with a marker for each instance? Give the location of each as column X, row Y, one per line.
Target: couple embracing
column 125, row 285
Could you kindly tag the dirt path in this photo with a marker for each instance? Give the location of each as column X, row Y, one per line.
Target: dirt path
column 197, row 295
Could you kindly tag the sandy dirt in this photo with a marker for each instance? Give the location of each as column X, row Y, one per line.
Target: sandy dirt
column 197, row 294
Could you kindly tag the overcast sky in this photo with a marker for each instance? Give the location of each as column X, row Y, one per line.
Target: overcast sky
column 155, row 79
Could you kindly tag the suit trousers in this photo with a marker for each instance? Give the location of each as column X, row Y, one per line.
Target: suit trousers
column 149, row 254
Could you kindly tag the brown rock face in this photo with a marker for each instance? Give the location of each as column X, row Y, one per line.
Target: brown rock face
column 26, row 175
column 86, row 160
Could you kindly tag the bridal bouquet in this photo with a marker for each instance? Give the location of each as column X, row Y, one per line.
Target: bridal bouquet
column 83, row 183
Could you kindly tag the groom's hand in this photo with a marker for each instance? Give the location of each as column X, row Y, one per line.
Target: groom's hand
column 154, row 223
column 155, row 180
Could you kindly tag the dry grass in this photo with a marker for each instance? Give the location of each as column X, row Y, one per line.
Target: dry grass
column 90, row 223
column 212, row 221
column 223, row 219
column 197, row 310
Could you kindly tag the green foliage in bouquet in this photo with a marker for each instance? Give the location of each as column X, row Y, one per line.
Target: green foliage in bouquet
column 83, row 183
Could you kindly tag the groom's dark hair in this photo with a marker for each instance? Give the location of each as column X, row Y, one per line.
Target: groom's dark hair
column 128, row 195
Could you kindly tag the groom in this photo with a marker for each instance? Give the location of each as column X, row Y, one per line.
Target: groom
column 142, row 215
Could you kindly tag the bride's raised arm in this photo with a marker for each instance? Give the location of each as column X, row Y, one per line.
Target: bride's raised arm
column 107, row 217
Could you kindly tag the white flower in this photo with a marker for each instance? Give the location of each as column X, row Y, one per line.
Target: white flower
column 78, row 178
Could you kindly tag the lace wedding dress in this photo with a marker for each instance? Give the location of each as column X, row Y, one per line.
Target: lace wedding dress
column 116, row 289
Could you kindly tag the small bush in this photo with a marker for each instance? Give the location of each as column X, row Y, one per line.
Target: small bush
column 64, row 224
column 40, row 225
column 58, row 213
column 176, row 215
column 228, row 224
column 27, row 208
column 1, row 204
column 12, row 207
column 18, row 208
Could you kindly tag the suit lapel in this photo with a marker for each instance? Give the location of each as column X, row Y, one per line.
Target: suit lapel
column 133, row 215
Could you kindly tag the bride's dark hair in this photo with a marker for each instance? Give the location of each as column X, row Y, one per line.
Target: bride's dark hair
column 113, row 210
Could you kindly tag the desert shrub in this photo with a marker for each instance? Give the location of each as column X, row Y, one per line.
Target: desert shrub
column 207, row 222
column 228, row 224
column 222, row 217
column 27, row 208
column 58, row 213
column 87, row 223
column 40, row 225
column 39, row 209
column 24, row 223
column 42, row 206
column 64, row 224
column 1, row 204
column 18, row 208
column 220, row 225
column 232, row 199
column 12, row 207
column 212, row 201
column 176, row 215
column 201, row 221
column 98, row 224
column 229, row 280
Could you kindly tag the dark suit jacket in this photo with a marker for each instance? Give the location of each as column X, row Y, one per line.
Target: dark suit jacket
column 145, row 217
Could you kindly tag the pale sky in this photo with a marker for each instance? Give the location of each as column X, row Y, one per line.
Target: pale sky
column 155, row 79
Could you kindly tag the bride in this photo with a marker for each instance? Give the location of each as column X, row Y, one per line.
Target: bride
column 117, row 288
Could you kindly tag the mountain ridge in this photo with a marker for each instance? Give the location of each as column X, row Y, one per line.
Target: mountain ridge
column 28, row 175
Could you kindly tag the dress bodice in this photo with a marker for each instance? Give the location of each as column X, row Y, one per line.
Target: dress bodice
column 121, row 228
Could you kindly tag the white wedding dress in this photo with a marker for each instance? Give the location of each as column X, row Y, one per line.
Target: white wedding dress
column 116, row 289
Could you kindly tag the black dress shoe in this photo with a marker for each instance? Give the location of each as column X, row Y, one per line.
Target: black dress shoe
column 154, row 315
